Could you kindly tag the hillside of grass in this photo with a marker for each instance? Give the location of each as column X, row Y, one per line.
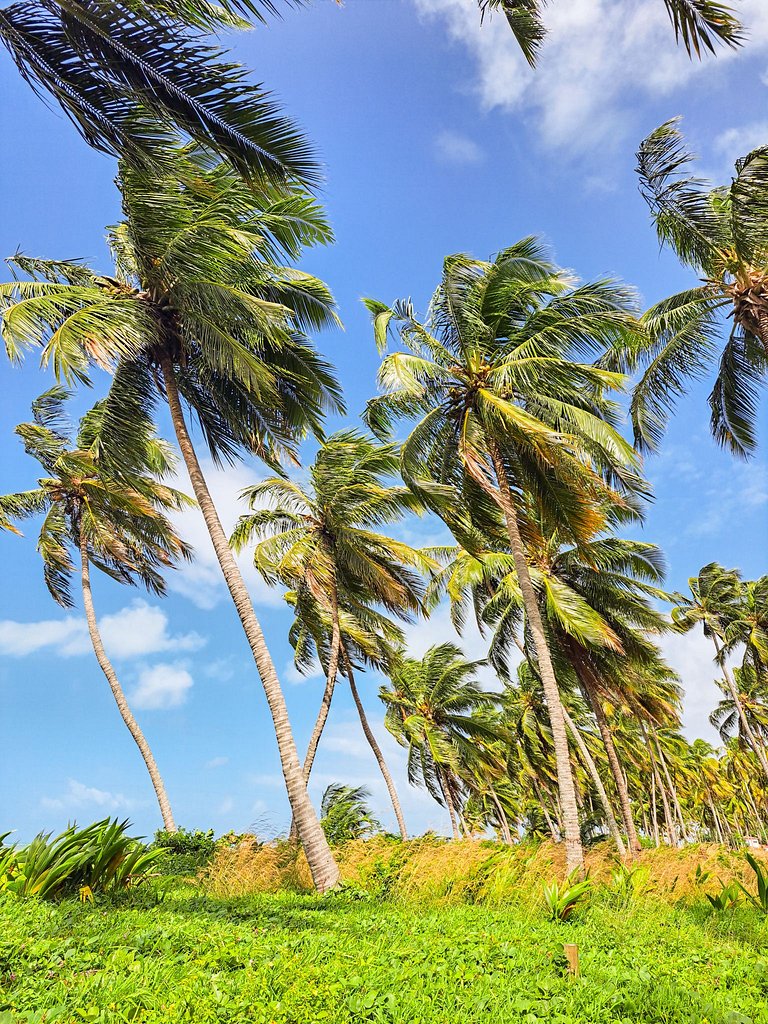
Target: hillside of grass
column 172, row 950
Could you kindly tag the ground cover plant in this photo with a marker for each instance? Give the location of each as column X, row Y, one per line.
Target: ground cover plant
column 174, row 951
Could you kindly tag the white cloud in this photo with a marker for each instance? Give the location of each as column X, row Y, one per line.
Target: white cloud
column 78, row 795
column 736, row 142
column 133, row 632
column 201, row 580
column 217, row 762
column 161, row 687
column 67, row 636
column 454, row 148
column 692, row 657
column 600, row 58
column 292, row 675
column 142, row 629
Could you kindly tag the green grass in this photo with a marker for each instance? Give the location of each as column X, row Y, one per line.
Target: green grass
column 167, row 953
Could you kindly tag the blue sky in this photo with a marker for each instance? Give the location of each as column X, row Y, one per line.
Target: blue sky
column 436, row 138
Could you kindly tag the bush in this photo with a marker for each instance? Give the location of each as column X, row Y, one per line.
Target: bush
column 99, row 858
column 185, row 851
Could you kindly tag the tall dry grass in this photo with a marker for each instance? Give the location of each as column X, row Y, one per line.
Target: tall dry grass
column 467, row 871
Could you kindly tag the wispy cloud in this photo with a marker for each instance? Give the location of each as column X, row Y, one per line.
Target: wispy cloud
column 600, row 59
column 79, row 796
column 454, row 148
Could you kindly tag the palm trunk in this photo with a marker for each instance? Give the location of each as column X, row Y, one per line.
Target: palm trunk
column 753, row 741
column 657, row 781
column 503, row 821
column 554, row 832
column 446, row 791
column 325, row 871
column 593, row 697
column 592, row 768
column 574, row 853
column 654, row 811
column 672, row 790
column 117, row 691
column 715, row 819
column 373, row 743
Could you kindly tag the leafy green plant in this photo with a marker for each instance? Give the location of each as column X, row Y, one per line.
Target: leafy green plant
column 562, row 899
column 98, row 858
column 760, row 898
column 626, row 883
column 726, row 899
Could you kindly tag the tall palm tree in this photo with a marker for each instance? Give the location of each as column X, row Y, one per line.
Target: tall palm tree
column 321, row 540
column 432, row 706
column 700, row 24
column 117, row 523
column 506, row 412
column 720, row 233
column 201, row 313
column 753, row 703
column 126, row 73
column 717, row 602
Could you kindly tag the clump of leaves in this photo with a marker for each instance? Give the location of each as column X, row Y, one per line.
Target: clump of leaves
column 760, row 898
column 98, row 858
column 626, row 883
column 726, row 899
column 185, row 851
column 345, row 814
column 562, row 899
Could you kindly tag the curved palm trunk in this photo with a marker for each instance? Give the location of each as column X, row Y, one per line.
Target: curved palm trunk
column 553, row 831
column 373, row 743
column 753, row 741
column 593, row 697
column 654, row 811
column 446, row 791
column 325, row 871
column 117, row 691
column 672, row 789
column 613, row 827
column 574, row 853
column 506, row 834
column 664, row 800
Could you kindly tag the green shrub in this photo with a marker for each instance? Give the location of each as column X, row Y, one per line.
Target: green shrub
column 760, row 898
column 99, row 858
column 185, row 851
column 563, row 899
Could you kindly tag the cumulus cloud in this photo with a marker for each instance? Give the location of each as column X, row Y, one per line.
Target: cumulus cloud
column 600, row 58
column 78, row 795
column 161, row 687
column 692, row 657
column 133, row 632
column 454, row 148
column 200, row 580
column 67, row 636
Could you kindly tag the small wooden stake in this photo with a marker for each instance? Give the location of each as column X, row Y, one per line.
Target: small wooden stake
column 571, row 951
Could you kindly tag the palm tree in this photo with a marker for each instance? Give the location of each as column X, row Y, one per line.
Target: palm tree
column 700, row 24
column 752, row 703
column 506, row 413
column 719, row 233
column 322, row 541
column 432, row 709
column 127, row 74
column 346, row 815
column 116, row 523
column 201, row 312
column 717, row 602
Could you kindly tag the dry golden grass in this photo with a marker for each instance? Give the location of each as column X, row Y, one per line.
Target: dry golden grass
column 431, row 868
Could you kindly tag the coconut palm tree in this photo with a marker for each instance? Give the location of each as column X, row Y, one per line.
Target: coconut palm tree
column 126, row 74
column 346, row 814
column 717, row 602
column 753, row 702
column 506, row 412
column 432, row 709
column 700, row 24
column 201, row 313
column 115, row 522
column 321, row 540
column 720, row 233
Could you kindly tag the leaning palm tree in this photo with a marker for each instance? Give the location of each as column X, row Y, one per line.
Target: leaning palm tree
column 432, row 710
column 716, row 601
column 125, row 73
column 720, row 233
column 321, row 540
column 700, row 24
column 202, row 313
column 506, row 412
column 115, row 522
column 753, row 704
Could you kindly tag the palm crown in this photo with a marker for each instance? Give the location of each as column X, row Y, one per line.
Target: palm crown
column 721, row 234
column 119, row 521
column 124, row 72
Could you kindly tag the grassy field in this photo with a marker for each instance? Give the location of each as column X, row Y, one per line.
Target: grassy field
column 169, row 952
